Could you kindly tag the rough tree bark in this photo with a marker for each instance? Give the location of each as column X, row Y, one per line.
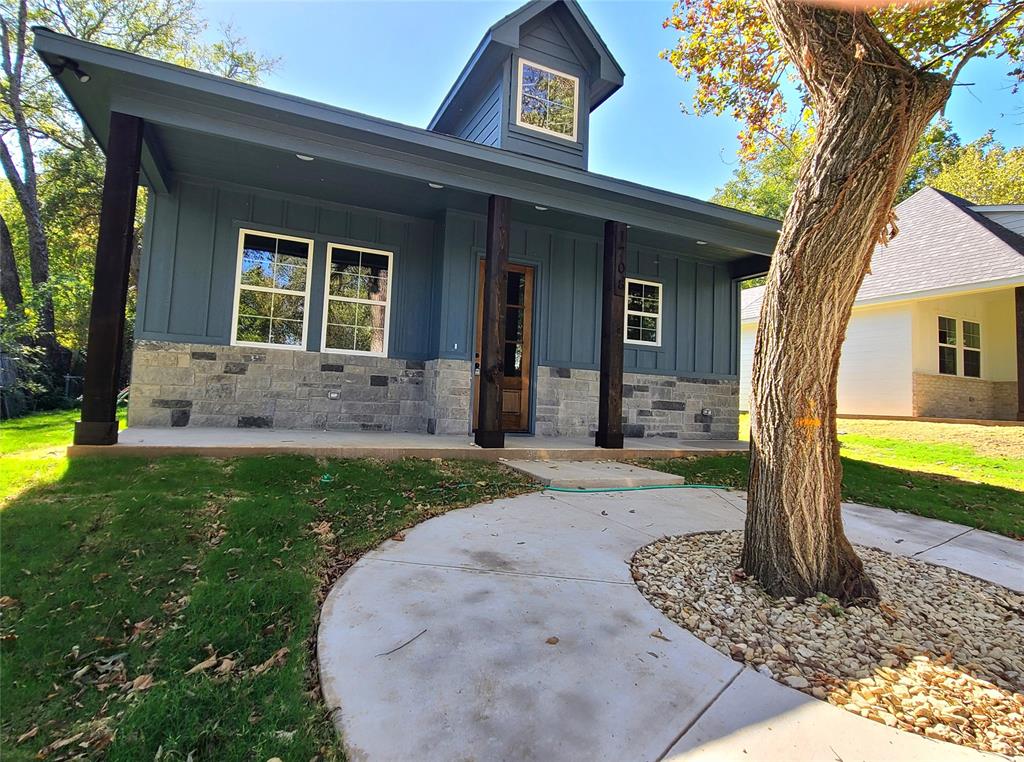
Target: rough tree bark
column 10, row 282
column 872, row 107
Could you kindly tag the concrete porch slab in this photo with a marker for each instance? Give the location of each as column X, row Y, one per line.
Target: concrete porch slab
column 212, row 442
column 579, row 474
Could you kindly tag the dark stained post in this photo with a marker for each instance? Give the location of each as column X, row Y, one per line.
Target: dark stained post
column 613, row 316
column 1019, row 298
column 492, row 343
column 110, row 282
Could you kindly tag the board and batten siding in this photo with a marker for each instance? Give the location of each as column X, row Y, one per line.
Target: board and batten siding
column 876, row 366
column 189, row 260
column 699, row 310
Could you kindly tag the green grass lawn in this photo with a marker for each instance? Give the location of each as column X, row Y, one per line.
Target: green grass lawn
column 985, row 506
column 992, row 455
column 119, row 576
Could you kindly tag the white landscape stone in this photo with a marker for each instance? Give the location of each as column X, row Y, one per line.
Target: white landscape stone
column 942, row 655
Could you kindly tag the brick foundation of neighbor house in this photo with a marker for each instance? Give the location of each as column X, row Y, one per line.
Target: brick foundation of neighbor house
column 938, row 396
column 652, row 405
column 175, row 384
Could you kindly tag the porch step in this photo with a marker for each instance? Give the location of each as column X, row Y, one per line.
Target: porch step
column 591, row 474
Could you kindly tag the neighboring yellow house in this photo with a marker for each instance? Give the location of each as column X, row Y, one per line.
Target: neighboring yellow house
column 937, row 330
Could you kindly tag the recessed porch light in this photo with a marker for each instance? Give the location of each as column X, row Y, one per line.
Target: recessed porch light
column 540, row 208
column 435, row 186
column 303, row 157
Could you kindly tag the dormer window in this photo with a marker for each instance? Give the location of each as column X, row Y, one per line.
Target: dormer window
column 548, row 100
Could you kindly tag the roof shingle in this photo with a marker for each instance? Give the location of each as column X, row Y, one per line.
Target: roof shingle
column 942, row 244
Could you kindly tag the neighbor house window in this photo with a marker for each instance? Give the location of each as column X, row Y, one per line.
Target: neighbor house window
column 947, row 346
column 548, row 100
column 643, row 312
column 271, row 290
column 357, row 298
column 972, row 349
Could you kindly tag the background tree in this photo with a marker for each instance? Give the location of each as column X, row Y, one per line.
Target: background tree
column 874, row 81
column 54, row 170
column 983, row 171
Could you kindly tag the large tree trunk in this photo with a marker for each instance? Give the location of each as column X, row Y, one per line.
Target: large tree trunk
column 872, row 108
column 10, row 283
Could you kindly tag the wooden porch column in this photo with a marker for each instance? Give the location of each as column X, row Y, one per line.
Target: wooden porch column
column 613, row 315
column 110, row 282
column 1019, row 298
column 492, row 345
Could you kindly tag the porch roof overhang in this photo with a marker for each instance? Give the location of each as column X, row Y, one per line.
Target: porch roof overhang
column 198, row 124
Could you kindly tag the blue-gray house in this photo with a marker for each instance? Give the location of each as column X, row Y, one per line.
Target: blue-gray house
column 305, row 266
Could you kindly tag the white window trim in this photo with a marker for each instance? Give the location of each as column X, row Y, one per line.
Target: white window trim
column 327, row 300
column 628, row 312
column 575, row 101
column 235, row 342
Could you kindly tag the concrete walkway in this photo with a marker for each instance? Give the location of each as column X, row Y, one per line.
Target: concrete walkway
column 513, row 631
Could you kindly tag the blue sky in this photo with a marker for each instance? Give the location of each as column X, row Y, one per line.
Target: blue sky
column 397, row 60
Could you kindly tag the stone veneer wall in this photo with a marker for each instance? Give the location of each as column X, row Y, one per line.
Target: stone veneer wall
column 938, row 396
column 203, row 385
column 652, row 405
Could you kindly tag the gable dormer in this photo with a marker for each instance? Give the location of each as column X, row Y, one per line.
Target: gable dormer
column 532, row 84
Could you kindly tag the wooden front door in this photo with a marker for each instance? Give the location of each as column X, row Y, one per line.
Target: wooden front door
column 515, row 392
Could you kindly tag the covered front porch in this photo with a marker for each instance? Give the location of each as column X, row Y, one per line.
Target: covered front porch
column 458, row 349
column 235, row 442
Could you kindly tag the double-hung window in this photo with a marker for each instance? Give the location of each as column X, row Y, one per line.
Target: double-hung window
column 548, row 100
column 968, row 347
column 643, row 312
column 972, row 349
column 271, row 290
column 947, row 346
column 357, row 298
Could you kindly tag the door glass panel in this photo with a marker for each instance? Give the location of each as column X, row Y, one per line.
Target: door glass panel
column 513, row 360
column 516, row 291
column 513, row 324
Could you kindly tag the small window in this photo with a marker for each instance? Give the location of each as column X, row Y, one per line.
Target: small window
column 356, row 300
column 972, row 349
column 272, row 289
column 643, row 312
column 548, row 100
column 947, row 346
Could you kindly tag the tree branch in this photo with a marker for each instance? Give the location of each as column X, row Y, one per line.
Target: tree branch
column 975, row 43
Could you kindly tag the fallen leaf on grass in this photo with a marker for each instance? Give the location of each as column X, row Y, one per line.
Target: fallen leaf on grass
column 7, row 601
column 204, row 665
column 225, row 666
column 660, row 635
column 28, row 734
column 142, row 683
column 45, row 751
column 552, row 641
column 398, row 537
column 276, row 660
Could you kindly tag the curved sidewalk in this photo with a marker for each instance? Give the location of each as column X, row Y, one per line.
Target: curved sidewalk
column 513, row 631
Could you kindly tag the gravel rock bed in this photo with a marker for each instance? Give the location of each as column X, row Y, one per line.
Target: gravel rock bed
column 942, row 655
